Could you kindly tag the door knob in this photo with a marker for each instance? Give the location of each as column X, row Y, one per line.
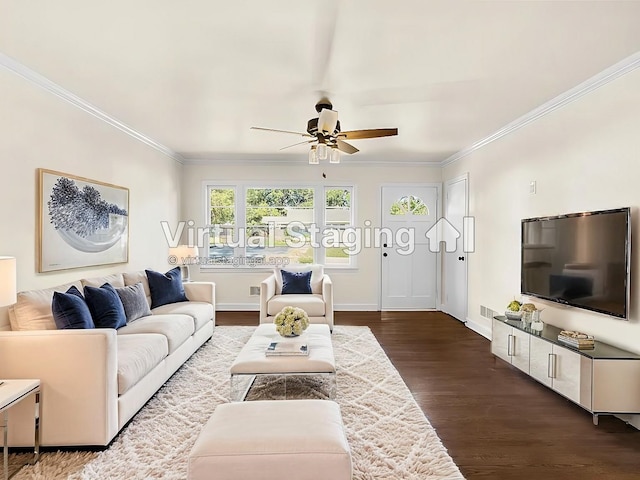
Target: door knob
column 384, row 254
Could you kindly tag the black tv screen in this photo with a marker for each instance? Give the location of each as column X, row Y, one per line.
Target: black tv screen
column 579, row 259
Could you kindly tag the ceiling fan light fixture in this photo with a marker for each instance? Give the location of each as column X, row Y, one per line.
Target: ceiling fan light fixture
column 313, row 156
column 335, row 155
column 327, row 121
column 322, row 151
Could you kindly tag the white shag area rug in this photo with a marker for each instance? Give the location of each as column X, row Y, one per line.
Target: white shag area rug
column 389, row 436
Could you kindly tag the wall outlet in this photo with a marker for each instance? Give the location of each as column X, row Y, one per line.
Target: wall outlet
column 532, row 187
column 254, row 291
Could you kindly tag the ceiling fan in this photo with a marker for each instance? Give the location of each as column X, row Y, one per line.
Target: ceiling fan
column 327, row 138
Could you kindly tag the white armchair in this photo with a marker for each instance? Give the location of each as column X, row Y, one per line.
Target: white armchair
column 318, row 304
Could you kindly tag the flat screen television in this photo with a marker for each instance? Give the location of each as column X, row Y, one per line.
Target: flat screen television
column 579, row 259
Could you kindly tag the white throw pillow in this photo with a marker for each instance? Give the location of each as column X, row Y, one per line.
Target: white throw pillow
column 317, row 272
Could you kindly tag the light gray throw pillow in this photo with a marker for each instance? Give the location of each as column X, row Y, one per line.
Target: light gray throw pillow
column 134, row 301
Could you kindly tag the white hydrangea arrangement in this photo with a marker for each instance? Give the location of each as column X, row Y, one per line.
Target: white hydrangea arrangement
column 291, row 321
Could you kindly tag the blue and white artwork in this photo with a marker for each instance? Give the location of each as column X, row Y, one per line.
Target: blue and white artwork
column 83, row 222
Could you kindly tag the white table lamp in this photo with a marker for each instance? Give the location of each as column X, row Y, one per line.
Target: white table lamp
column 183, row 256
column 7, row 281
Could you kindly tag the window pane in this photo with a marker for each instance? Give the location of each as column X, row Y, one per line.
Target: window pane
column 337, row 218
column 409, row 205
column 222, row 215
column 277, row 223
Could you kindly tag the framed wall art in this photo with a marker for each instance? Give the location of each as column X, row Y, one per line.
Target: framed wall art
column 81, row 222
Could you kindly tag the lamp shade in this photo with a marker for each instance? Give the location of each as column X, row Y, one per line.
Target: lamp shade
column 7, row 281
column 184, row 254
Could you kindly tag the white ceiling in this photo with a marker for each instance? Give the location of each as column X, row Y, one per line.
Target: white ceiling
column 194, row 75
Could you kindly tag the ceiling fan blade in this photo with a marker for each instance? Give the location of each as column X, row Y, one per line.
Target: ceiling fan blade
column 345, row 147
column 299, row 143
column 372, row 133
column 282, row 131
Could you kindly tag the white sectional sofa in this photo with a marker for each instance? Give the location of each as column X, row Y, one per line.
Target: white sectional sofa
column 95, row 380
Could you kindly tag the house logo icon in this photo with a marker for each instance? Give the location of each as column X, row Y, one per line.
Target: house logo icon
column 443, row 232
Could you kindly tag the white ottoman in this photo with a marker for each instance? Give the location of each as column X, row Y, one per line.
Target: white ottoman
column 269, row 439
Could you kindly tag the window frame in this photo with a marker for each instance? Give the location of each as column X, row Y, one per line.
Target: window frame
column 240, row 205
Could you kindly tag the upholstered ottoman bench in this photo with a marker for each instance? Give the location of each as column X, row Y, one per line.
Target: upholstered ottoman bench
column 272, row 440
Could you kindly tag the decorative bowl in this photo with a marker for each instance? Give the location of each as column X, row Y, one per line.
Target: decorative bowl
column 511, row 315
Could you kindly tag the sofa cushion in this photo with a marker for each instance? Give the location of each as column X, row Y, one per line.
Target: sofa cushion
column 105, row 306
column 131, row 278
column 137, row 356
column 115, row 280
column 70, row 310
column 166, row 287
column 32, row 310
column 312, row 304
column 295, row 282
column 201, row 312
column 134, row 301
column 176, row 328
column 317, row 272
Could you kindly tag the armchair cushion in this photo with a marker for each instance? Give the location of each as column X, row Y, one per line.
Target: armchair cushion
column 313, row 304
column 296, row 282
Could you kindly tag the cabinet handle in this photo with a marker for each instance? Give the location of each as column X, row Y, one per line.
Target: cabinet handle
column 551, row 366
column 511, row 345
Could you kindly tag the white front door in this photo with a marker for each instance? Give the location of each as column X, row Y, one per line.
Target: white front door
column 454, row 301
column 408, row 266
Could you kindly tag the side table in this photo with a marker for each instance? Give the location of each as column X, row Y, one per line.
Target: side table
column 13, row 392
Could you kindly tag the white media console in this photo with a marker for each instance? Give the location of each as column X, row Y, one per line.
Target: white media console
column 604, row 380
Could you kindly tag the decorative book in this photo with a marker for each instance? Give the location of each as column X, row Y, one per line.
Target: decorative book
column 287, row 348
column 576, row 339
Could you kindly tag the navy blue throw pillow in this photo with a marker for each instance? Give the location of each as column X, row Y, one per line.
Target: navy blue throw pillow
column 295, row 282
column 70, row 310
column 166, row 287
column 105, row 306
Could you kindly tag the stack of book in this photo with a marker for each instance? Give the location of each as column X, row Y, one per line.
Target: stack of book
column 287, row 348
column 576, row 339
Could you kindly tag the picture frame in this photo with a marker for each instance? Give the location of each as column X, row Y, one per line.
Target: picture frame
column 81, row 222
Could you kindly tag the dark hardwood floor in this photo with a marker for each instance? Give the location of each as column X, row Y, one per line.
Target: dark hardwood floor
column 496, row 422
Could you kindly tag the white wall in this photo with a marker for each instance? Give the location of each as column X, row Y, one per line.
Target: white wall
column 585, row 156
column 353, row 289
column 39, row 130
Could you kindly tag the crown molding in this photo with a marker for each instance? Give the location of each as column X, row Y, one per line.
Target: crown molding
column 292, row 160
column 40, row 81
column 608, row 75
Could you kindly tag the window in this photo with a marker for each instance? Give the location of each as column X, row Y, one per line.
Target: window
column 409, row 205
column 338, row 225
column 222, row 218
column 278, row 221
column 275, row 225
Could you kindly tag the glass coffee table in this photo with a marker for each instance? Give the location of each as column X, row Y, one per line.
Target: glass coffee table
column 253, row 365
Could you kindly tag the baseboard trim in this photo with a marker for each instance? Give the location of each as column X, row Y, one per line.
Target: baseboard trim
column 480, row 329
column 238, row 307
column 356, row 307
